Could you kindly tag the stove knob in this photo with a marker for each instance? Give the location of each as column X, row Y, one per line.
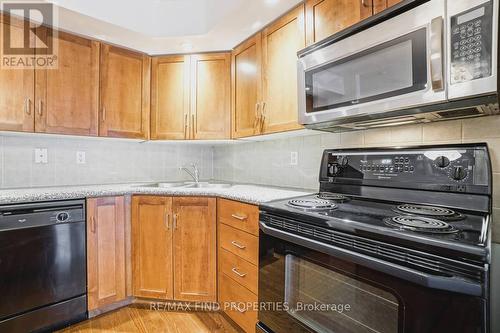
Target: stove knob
column 344, row 161
column 442, row 161
column 459, row 173
column 335, row 169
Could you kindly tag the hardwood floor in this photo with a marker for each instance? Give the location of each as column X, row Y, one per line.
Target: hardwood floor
column 134, row 319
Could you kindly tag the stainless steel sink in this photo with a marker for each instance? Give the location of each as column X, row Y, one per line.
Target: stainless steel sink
column 188, row 185
column 209, row 185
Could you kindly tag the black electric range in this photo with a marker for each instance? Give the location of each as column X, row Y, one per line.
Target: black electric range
column 410, row 222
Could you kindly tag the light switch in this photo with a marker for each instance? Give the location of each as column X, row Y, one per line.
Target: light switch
column 41, row 156
column 80, row 157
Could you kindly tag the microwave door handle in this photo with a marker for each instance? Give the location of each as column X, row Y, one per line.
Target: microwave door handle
column 421, row 278
column 436, row 56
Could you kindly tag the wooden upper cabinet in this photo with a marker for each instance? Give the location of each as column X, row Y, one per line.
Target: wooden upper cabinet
column 210, row 96
column 17, row 86
column 280, row 43
column 246, row 82
column 125, row 92
column 105, row 251
column 152, row 266
column 326, row 17
column 170, row 97
column 67, row 98
column 195, row 246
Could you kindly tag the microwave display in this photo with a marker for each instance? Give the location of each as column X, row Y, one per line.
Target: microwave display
column 471, row 39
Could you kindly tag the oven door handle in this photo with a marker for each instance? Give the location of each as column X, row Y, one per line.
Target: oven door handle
column 452, row 284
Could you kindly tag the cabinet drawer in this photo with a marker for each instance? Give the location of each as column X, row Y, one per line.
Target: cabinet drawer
column 240, row 243
column 239, row 270
column 239, row 215
column 232, row 292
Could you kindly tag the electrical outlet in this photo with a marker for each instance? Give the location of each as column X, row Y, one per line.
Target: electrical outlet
column 41, row 156
column 80, row 157
column 294, row 158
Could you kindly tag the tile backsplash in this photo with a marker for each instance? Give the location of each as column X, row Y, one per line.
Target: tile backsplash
column 107, row 161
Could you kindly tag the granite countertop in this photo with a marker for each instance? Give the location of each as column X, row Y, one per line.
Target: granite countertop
column 249, row 193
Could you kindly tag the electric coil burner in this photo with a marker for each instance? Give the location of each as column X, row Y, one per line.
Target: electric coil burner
column 311, row 204
column 441, row 213
column 420, row 224
column 409, row 228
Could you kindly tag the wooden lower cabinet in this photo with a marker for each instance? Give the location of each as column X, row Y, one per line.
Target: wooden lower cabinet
column 174, row 248
column 152, row 251
column 238, row 253
column 195, row 249
column 105, row 251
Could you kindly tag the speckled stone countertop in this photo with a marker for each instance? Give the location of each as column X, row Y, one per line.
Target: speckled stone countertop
column 253, row 194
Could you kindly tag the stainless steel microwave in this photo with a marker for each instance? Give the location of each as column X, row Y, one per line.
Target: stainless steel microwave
column 433, row 61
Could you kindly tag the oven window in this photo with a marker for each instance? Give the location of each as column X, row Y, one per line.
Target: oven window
column 394, row 68
column 326, row 301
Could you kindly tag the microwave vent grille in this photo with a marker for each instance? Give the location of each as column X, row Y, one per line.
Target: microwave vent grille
column 462, row 113
column 393, row 253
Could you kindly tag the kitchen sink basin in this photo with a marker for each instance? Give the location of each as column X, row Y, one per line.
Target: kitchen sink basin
column 188, row 185
column 208, row 185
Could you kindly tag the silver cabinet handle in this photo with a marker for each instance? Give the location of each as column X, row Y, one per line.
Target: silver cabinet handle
column 103, row 113
column 363, row 2
column 167, row 221
column 436, row 57
column 40, row 106
column 186, row 125
column 239, row 217
column 239, row 246
column 27, row 106
column 92, row 224
column 193, row 128
column 263, row 116
column 175, row 221
column 257, row 117
column 235, row 271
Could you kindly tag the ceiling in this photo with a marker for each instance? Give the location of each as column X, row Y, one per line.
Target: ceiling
column 169, row 26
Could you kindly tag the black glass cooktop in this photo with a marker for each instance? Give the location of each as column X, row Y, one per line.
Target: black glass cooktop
column 417, row 223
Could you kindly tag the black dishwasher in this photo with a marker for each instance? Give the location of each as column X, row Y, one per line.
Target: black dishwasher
column 42, row 265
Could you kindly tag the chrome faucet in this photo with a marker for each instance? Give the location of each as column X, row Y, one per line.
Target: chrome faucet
column 195, row 174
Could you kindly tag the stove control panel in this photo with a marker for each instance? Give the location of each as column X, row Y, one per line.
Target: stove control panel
column 444, row 169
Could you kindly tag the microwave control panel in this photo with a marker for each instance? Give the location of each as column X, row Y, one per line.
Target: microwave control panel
column 471, row 44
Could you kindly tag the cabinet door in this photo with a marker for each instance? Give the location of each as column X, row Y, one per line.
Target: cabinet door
column 280, row 43
column 125, row 85
column 195, row 249
column 170, row 97
column 326, row 17
column 67, row 98
column 210, row 96
column 246, row 81
column 152, row 268
column 105, row 251
column 17, row 86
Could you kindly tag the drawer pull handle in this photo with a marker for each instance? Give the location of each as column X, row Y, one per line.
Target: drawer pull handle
column 235, row 271
column 239, row 246
column 239, row 217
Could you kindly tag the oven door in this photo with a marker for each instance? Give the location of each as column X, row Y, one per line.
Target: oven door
column 400, row 66
column 307, row 290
